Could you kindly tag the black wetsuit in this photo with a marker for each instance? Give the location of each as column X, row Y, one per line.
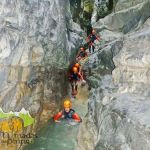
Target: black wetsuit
column 92, row 39
column 68, row 115
column 82, row 54
column 74, row 77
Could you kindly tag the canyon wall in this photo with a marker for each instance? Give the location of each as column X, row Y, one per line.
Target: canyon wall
column 118, row 108
column 38, row 39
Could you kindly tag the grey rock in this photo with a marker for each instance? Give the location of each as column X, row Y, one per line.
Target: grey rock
column 118, row 107
column 134, row 62
column 38, row 39
column 125, row 20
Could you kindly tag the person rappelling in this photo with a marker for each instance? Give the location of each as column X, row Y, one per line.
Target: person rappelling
column 91, row 40
column 67, row 113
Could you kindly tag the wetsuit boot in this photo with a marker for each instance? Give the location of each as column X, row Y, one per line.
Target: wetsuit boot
column 72, row 85
column 93, row 48
column 89, row 49
column 76, row 88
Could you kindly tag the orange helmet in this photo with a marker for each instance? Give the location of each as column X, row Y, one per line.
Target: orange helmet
column 67, row 104
column 82, row 49
column 77, row 65
column 75, row 69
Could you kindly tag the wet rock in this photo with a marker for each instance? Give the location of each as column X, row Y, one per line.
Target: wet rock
column 86, row 137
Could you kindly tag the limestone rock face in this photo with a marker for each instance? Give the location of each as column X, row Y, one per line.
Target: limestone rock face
column 125, row 20
column 118, row 109
column 37, row 41
column 124, row 4
column 133, row 63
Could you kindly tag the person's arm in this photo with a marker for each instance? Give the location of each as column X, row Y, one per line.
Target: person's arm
column 98, row 38
column 78, row 54
column 58, row 116
column 86, row 54
column 76, row 117
column 88, row 38
column 80, row 76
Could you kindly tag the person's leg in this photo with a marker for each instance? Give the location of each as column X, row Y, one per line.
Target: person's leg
column 76, row 87
column 89, row 48
column 93, row 47
column 72, row 86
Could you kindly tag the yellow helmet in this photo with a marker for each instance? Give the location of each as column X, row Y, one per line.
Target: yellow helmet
column 67, row 104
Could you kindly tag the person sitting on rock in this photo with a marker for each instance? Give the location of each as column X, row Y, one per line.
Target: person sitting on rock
column 82, row 54
column 74, row 77
column 67, row 113
column 91, row 39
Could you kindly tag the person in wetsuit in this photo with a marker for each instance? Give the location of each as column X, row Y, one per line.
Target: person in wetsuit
column 68, row 113
column 91, row 39
column 74, row 77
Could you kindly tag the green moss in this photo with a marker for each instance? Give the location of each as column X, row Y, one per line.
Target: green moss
column 82, row 12
column 88, row 6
